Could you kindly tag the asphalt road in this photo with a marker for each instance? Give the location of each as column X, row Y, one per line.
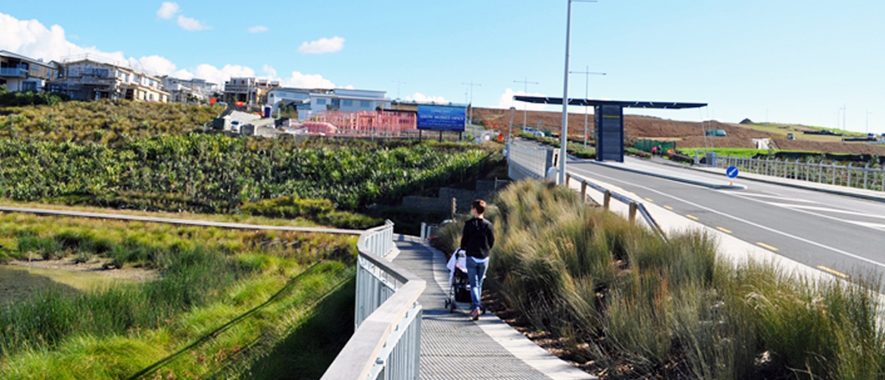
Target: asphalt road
column 840, row 235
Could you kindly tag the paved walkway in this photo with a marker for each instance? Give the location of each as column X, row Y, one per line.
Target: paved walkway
column 455, row 347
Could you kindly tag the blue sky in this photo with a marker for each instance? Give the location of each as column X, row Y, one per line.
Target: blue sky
column 796, row 61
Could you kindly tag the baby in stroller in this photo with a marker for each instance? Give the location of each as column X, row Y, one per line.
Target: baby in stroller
column 459, row 290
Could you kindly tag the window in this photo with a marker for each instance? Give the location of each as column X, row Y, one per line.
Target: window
column 321, row 102
column 29, row 86
column 364, row 103
column 348, row 103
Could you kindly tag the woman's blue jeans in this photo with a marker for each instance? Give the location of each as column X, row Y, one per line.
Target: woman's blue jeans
column 476, row 271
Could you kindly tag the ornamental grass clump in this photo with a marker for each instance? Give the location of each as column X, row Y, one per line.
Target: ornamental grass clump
column 643, row 307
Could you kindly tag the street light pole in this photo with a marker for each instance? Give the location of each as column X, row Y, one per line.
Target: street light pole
column 586, row 94
column 510, row 128
column 398, row 82
column 525, row 91
column 471, row 84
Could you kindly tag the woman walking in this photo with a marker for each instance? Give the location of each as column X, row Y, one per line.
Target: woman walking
column 477, row 240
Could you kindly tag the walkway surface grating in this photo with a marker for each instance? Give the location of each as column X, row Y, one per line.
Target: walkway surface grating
column 452, row 345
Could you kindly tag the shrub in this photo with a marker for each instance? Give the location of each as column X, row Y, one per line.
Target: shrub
column 671, row 309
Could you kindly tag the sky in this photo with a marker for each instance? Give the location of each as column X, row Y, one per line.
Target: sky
column 806, row 62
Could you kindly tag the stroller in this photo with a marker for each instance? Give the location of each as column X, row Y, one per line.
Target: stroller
column 459, row 291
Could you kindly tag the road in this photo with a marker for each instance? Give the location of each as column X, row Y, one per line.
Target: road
column 840, row 235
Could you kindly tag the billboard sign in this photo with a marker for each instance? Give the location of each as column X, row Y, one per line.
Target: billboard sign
column 441, row 118
column 609, row 133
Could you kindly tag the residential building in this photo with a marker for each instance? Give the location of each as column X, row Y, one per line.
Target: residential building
column 20, row 73
column 188, row 90
column 89, row 79
column 289, row 96
column 250, row 92
column 342, row 99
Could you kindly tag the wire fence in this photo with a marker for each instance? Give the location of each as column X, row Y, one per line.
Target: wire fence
column 868, row 177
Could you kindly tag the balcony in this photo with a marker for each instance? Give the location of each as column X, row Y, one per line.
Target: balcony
column 20, row 72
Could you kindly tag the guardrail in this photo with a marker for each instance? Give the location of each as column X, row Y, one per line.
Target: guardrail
column 634, row 206
column 386, row 343
column 14, row 72
column 851, row 176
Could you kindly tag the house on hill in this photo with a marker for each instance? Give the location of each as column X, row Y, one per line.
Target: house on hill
column 89, row 79
column 20, row 73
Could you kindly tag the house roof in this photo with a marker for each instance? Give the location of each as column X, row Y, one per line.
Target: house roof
column 6, row 53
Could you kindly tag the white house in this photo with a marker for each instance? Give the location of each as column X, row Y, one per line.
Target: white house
column 20, row 73
column 89, row 79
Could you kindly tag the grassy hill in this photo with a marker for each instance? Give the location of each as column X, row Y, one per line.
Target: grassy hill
column 102, row 121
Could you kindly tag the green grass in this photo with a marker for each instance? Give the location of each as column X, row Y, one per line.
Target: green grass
column 220, row 295
column 734, row 152
column 215, row 174
column 642, row 307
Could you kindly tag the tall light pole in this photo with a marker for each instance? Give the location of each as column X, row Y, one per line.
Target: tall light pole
column 868, row 121
column 510, row 128
column 563, row 151
column 587, row 74
column 525, row 91
column 844, row 111
column 398, row 82
column 471, row 84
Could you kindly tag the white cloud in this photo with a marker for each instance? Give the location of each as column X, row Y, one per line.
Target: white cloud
column 154, row 64
column 190, row 24
column 421, row 98
column 322, row 46
column 167, row 10
column 307, row 81
column 215, row 75
column 258, row 29
column 506, row 101
column 269, row 70
column 349, row 87
column 31, row 38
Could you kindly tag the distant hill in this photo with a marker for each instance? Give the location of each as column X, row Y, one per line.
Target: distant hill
column 686, row 134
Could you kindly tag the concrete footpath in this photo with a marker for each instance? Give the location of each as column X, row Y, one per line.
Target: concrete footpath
column 455, row 347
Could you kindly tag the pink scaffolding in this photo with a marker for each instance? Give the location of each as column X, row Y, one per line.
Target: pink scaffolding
column 370, row 123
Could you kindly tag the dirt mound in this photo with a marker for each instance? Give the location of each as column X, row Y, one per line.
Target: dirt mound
column 685, row 134
column 635, row 127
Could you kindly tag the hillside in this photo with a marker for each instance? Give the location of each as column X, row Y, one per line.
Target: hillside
column 102, row 121
column 685, row 134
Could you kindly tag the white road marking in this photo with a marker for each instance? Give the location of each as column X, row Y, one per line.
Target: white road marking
column 827, row 209
column 754, row 224
column 735, row 193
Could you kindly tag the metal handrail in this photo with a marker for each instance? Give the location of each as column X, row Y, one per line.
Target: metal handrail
column 386, row 343
column 635, row 206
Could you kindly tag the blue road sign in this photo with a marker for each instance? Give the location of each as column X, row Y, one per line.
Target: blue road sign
column 732, row 172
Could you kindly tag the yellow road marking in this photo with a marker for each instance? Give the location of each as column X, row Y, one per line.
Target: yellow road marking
column 724, row 230
column 766, row 246
column 649, row 199
column 668, row 208
column 832, row 272
column 692, row 217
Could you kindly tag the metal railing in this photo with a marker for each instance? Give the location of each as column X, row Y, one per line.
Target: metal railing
column 386, row 343
column 862, row 177
column 14, row 72
column 530, row 161
column 634, row 206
